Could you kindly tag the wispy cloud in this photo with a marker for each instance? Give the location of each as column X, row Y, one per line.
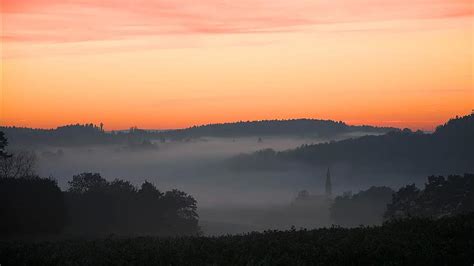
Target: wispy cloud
column 96, row 20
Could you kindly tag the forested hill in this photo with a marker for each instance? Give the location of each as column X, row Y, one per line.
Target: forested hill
column 449, row 148
column 293, row 127
column 78, row 134
column 83, row 134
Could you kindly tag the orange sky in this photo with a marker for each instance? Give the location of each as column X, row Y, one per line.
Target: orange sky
column 176, row 63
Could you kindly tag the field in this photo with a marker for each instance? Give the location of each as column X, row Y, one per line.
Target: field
column 447, row 241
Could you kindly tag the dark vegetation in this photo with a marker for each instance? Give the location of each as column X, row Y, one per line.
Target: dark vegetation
column 92, row 207
column 415, row 241
column 448, row 150
column 70, row 135
column 31, row 206
column 89, row 134
column 293, row 127
column 441, row 197
column 98, row 207
column 364, row 208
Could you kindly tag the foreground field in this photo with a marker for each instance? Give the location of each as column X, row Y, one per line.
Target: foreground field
column 447, row 241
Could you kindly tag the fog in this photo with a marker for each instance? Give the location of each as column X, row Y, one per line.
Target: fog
column 197, row 167
column 228, row 201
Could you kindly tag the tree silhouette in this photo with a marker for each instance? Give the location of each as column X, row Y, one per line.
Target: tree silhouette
column 403, row 203
column 366, row 207
column 18, row 165
column 98, row 207
column 440, row 197
column 87, row 182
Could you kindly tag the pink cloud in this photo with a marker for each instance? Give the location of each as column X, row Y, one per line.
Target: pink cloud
column 89, row 20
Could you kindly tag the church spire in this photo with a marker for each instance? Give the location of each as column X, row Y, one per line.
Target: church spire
column 328, row 184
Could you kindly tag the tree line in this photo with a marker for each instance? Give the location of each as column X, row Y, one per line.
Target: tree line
column 290, row 127
column 447, row 150
column 91, row 206
column 91, row 134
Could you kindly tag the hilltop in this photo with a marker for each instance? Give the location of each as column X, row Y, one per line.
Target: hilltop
column 448, row 148
column 83, row 134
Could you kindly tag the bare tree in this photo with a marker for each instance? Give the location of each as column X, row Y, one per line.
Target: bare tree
column 21, row 164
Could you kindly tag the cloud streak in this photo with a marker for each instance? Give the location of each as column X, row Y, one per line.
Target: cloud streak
column 60, row 21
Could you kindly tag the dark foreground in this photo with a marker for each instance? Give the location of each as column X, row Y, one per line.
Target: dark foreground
column 447, row 241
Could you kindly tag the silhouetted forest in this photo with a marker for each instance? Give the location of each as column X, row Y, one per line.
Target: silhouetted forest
column 293, row 127
column 447, row 150
column 77, row 135
column 90, row 134
column 98, row 207
column 91, row 206
column 415, row 241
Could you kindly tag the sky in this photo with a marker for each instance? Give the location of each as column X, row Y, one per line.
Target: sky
column 177, row 63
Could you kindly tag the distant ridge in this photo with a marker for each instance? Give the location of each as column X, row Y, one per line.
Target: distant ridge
column 83, row 134
column 449, row 149
column 292, row 127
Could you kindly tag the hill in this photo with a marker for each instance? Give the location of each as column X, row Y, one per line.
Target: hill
column 90, row 134
column 292, row 127
column 448, row 149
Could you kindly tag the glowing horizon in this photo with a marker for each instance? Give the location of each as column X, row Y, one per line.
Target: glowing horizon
column 173, row 64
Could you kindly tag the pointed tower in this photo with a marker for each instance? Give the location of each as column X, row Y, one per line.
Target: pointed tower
column 328, row 184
